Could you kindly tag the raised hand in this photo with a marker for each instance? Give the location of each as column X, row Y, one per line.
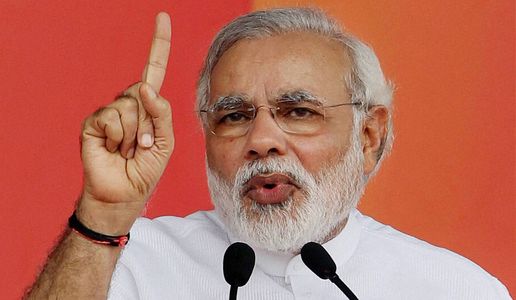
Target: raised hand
column 126, row 146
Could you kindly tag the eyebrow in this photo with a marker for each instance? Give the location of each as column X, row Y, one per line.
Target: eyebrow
column 229, row 101
column 290, row 97
column 297, row 97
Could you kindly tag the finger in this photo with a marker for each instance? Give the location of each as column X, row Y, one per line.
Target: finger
column 108, row 121
column 160, row 112
column 145, row 130
column 127, row 107
column 154, row 72
column 130, row 126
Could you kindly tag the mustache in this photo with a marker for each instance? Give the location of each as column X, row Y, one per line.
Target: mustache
column 294, row 170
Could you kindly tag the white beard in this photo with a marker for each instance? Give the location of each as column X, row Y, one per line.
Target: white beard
column 327, row 198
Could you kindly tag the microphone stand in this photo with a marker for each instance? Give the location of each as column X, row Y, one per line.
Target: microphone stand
column 343, row 287
column 233, row 292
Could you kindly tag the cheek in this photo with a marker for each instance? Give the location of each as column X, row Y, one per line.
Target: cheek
column 223, row 156
column 316, row 154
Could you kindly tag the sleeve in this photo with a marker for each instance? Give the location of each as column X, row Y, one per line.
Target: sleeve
column 123, row 285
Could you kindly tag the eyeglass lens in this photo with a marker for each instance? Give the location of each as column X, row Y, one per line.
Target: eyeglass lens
column 234, row 120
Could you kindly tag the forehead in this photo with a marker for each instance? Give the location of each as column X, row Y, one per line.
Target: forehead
column 267, row 67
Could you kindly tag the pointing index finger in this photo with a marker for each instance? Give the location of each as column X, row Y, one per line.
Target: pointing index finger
column 156, row 67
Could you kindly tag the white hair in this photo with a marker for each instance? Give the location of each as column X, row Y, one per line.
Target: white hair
column 365, row 81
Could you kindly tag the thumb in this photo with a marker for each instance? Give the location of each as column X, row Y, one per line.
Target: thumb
column 159, row 111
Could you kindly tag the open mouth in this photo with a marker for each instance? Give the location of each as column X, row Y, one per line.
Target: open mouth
column 273, row 188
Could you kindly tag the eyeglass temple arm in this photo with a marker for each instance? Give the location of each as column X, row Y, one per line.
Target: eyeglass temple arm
column 342, row 104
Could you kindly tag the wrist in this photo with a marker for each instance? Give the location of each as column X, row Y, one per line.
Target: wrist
column 96, row 237
column 113, row 219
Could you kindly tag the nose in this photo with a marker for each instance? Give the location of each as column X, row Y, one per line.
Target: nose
column 264, row 137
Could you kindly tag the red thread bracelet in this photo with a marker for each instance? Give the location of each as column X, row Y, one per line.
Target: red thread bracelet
column 95, row 237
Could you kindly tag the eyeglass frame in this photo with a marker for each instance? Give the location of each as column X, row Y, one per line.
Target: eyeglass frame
column 272, row 110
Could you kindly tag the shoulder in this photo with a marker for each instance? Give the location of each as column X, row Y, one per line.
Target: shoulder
column 159, row 248
column 197, row 222
column 181, row 238
column 170, row 229
column 167, row 243
column 422, row 262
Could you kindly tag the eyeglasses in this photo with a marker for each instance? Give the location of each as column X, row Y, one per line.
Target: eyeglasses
column 234, row 119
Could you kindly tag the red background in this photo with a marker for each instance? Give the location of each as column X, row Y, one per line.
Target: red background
column 450, row 179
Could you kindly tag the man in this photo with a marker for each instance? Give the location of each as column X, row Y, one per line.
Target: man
column 297, row 119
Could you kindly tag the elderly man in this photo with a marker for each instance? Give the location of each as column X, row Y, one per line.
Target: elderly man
column 297, row 119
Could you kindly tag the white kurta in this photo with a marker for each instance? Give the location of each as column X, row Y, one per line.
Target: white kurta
column 181, row 258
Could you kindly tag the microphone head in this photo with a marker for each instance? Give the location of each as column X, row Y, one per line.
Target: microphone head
column 238, row 264
column 317, row 259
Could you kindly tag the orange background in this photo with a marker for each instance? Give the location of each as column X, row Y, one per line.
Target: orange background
column 451, row 177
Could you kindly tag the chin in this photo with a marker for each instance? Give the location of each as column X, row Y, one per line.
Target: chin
column 283, row 227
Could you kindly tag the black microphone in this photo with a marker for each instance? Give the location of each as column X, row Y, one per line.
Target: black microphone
column 320, row 262
column 238, row 266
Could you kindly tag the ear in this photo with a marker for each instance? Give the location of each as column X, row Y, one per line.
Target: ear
column 373, row 136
